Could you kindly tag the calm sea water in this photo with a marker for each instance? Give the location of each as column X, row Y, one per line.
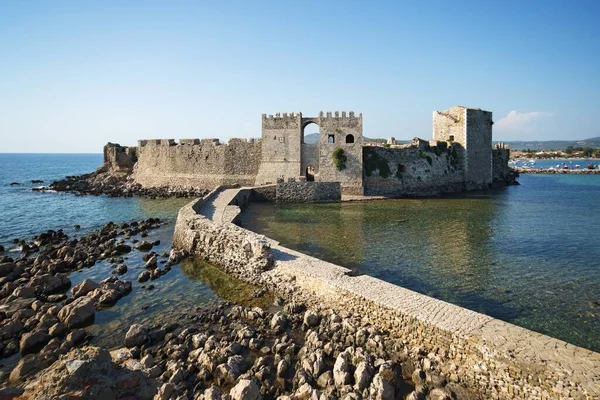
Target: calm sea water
column 527, row 254
column 24, row 213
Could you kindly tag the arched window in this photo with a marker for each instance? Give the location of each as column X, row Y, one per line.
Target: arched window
column 349, row 138
column 331, row 139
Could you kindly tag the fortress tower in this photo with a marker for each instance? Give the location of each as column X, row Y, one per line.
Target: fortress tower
column 472, row 129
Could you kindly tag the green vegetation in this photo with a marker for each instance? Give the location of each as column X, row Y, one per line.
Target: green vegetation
column 374, row 162
column 339, row 159
column 224, row 285
column 425, row 156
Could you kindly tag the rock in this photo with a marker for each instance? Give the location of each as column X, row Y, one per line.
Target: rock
column 137, row 335
column 26, row 366
column 79, row 313
column 165, row 391
column 24, row 292
column 382, row 389
column 245, row 389
column 120, row 270
column 440, row 394
column 6, row 268
column 414, row 395
column 58, row 330
column 325, row 379
column 50, row 284
column 1, row 249
column 144, row 246
column 363, row 376
column 144, row 276
column 34, row 341
column 418, row 377
column 311, row 318
column 122, row 249
column 76, row 337
column 212, row 393
column 152, row 263
column 14, row 184
column 341, row 368
column 84, row 288
column 278, row 322
column 147, row 361
column 282, row 368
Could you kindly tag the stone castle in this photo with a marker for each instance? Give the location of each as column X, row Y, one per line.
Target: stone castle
column 460, row 157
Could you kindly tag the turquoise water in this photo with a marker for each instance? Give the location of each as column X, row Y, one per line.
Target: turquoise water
column 527, row 254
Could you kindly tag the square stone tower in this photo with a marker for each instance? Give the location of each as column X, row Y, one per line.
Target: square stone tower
column 472, row 129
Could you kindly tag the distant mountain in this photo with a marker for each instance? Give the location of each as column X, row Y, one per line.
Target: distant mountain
column 552, row 144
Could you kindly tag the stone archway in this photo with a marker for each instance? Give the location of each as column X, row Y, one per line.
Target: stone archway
column 309, row 155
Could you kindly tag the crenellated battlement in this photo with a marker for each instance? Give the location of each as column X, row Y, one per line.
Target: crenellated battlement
column 338, row 115
column 206, row 142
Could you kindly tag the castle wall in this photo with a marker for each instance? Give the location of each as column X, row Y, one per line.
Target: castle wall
column 281, row 148
column 339, row 127
column 308, row 192
column 198, row 163
column 419, row 170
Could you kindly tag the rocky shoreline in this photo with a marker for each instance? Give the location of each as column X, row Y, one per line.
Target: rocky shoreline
column 286, row 350
column 104, row 182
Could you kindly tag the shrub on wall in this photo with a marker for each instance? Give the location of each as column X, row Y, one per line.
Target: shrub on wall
column 339, row 159
column 425, row 156
column 375, row 162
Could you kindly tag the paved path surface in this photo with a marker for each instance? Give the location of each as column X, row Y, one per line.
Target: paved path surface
column 219, row 208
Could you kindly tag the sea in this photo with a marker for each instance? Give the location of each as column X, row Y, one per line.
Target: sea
column 526, row 254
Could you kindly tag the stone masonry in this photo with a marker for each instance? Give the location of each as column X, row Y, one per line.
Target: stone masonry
column 460, row 157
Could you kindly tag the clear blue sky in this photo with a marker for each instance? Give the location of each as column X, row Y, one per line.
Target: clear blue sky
column 77, row 74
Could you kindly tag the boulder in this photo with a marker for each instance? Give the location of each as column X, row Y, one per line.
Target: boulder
column 24, row 292
column 152, row 263
column 245, row 389
column 144, row 246
column 79, row 313
column 311, row 318
column 34, row 341
column 122, row 249
column 84, row 288
column 28, row 365
column 137, row 335
column 6, row 268
column 50, row 284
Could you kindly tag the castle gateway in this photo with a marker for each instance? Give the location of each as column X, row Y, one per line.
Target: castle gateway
column 460, row 157
column 285, row 154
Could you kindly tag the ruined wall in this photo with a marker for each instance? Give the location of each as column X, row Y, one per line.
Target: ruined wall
column 450, row 125
column 419, row 170
column 198, row 163
column 308, row 192
column 340, row 128
column 281, row 148
column 119, row 159
column 500, row 157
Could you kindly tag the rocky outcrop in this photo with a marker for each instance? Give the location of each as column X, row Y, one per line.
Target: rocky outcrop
column 89, row 373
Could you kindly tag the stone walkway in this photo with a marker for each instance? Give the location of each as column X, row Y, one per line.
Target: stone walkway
column 219, row 208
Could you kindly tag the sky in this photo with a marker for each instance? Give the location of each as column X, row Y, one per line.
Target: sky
column 77, row 74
